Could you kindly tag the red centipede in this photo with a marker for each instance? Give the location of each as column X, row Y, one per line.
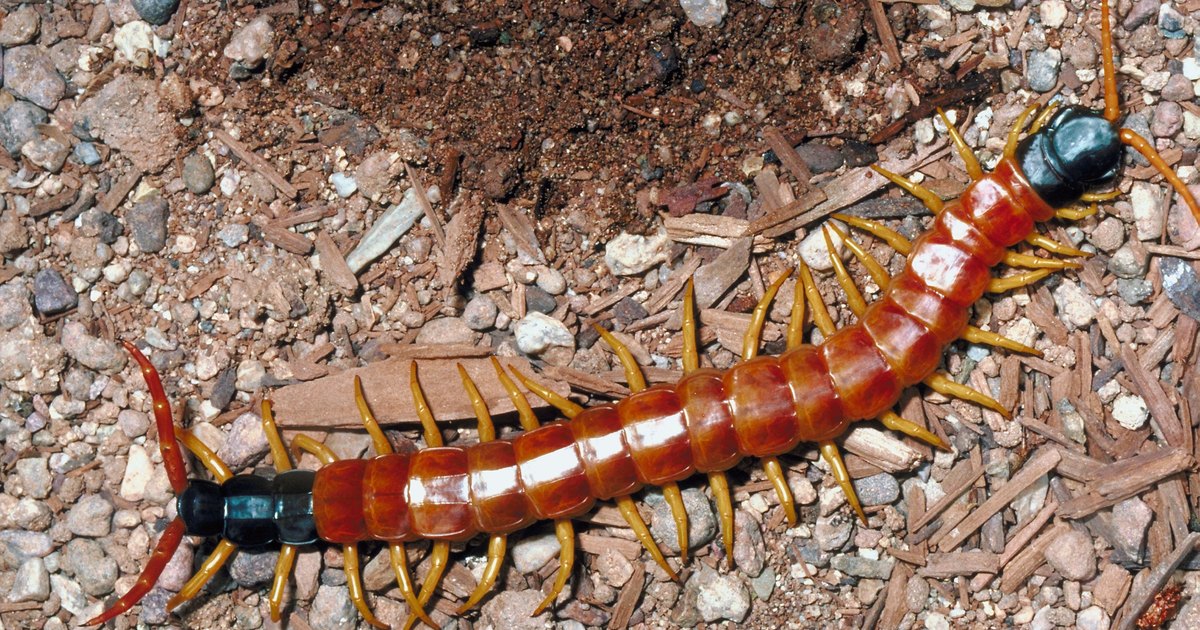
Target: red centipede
column 707, row 422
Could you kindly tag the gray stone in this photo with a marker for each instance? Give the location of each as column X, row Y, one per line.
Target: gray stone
column 511, row 610
column 861, row 567
column 147, row 221
column 14, row 305
column 536, row 333
column 1181, row 285
column 30, row 73
column 332, row 609
column 446, row 330
column 90, row 516
column 198, row 174
column 92, row 352
column 246, row 444
column 539, row 301
column 1127, row 262
column 1168, row 118
column 820, row 157
column 1134, row 290
column 702, row 523
column 234, row 235
column 880, row 489
column 18, row 125
column 46, row 153
column 22, row 545
column 1141, row 13
column 832, row 532
column 1178, row 90
column 705, row 13
column 156, row 12
column 14, row 236
column 87, row 154
column 250, row 568
column 530, row 553
column 95, row 571
column 1073, row 555
column 32, row 582
column 51, row 294
column 1041, row 69
column 720, row 596
column 102, row 225
column 764, row 584
column 551, row 281
column 480, row 313
column 34, row 475
column 20, row 27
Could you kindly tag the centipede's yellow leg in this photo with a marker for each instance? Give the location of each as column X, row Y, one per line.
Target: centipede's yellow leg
column 400, row 567
column 893, row 421
column 287, row 553
column 1008, row 283
column 820, row 312
column 879, row 230
column 439, row 557
column 524, row 411
column 355, row 586
column 633, row 372
column 774, row 471
column 564, row 406
column 1043, row 117
column 211, row 565
column 224, row 549
column 674, row 498
column 634, row 518
column 759, row 317
column 795, row 330
column 1017, row 259
column 1014, row 134
column 691, row 362
column 946, row 386
column 497, row 543
column 927, row 197
column 854, row 298
column 565, row 532
column 829, row 451
column 1094, row 197
column 1075, row 214
column 382, row 445
column 878, row 274
column 964, row 151
column 429, row 428
column 1051, row 245
column 978, row 335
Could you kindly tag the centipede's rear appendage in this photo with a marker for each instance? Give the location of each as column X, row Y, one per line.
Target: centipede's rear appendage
column 707, row 422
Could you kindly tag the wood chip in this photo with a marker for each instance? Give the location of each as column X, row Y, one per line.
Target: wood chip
column 521, row 229
column 597, row 544
column 788, row 157
column 329, row 402
column 714, row 279
column 1027, row 532
column 960, row 479
column 896, row 607
column 1112, row 587
column 461, row 242
column 1041, row 463
column 489, row 276
column 287, row 240
column 944, row 565
column 1162, row 410
column 256, row 162
column 434, row 220
column 54, row 204
column 119, row 191
column 1031, row 557
column 627, row 601
column 333, row 264
column 882, row 448
column 1123, row 479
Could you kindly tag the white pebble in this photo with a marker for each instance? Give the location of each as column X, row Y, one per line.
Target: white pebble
column 1130, row 410
column 815, row 251
column 343, row 184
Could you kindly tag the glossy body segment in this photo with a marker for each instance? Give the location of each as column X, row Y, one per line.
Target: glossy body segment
column 709, row 421
column 439, row 494
column 656, row 434
column 607, row 459
column 552, row 473
column 761, row 401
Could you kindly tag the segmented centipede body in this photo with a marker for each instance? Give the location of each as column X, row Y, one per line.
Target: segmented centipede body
column 705, row 423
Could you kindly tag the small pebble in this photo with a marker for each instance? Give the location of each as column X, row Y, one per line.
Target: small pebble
column 814, row 250
column 1134, row 290
column 1042, row 69
column 1053, row 13
column 18, row 125
column 234, row 234
column 480, row 313
column 87, row 154
column 1171, row 22
column 536, row 332
column 31, row 583
column 629, row 254
column 156, row 12
column 1178, row 89
column 702, row 523
column 861, row 567
column 446, row 330
column 14, row 305
column 1130, row 411
column 251, row 43
column 250, row 375
column 513, row 610
column 95, row 571
column 1073, row 555
column 539, row 301
column 95, row 353
column 51, row 294
column 47, row 153
column 20, row 27
column 147, row 222
column 30, row 73
column 91, row 516
column 251, row 568
column 880, row 489
column 1075, row 306
column 1095, row 618
column 531, row 552
column 34, row 476
column 551, row 281
column 705, row 13
column 332, row 609
column 198, row 174
column 343, row 184
column 720, row 596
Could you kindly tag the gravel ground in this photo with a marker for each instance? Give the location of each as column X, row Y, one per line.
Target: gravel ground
column 327, row 185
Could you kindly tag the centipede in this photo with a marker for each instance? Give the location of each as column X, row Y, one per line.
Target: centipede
column 707, row 422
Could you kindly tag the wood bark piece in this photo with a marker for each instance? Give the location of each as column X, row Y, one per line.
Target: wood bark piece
column 119, row 191
column 896, row 606
column 714, row 279
column 960, row 479
column 1027, row 532
column 286, row 239
column 1162, row 411
column 944, row 565
column 1112, row 587
column 329, row 402
column 1123, row 479
column 788, row 157
column 333, row 264
column 521, row 229
column 882, row 448
column 1028, row 561
column 1041, row 463
column 461, row 242
column 1155, row 581
column 257, row 162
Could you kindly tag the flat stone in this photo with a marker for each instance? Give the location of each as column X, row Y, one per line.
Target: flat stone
column 720, row 596
column 512, row 610
column 1041, row 69
column 880, row 489
column 20, row 26
column 31, row 583
column 530, row 553
column 251, row 568
column 18, row 125
column 47, row 153
column 198, row 175
column 1073, row 555
column 246, row 444
column 30, row 73
column 749, row 550
column 94, row 353
column 536, row 333
column 147, row 222
column 51, row 294
column 702, row 523
column 332, row 609
column 630, row 254
column 480, row 313
column 127, row 114
column 90, row 516
column 95, row 572
column 861, row 567
column 34, row 475
column 446, row 330
column 251, row 43
column 1181, row 284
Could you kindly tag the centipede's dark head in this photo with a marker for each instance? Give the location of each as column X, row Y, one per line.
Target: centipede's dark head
column 1076, row 150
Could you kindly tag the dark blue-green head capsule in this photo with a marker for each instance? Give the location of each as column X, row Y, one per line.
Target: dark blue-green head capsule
column 1077, row 150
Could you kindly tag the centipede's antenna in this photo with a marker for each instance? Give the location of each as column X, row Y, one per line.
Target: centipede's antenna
column 1112, row 104
column 176, row 473
column 1143, row 146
